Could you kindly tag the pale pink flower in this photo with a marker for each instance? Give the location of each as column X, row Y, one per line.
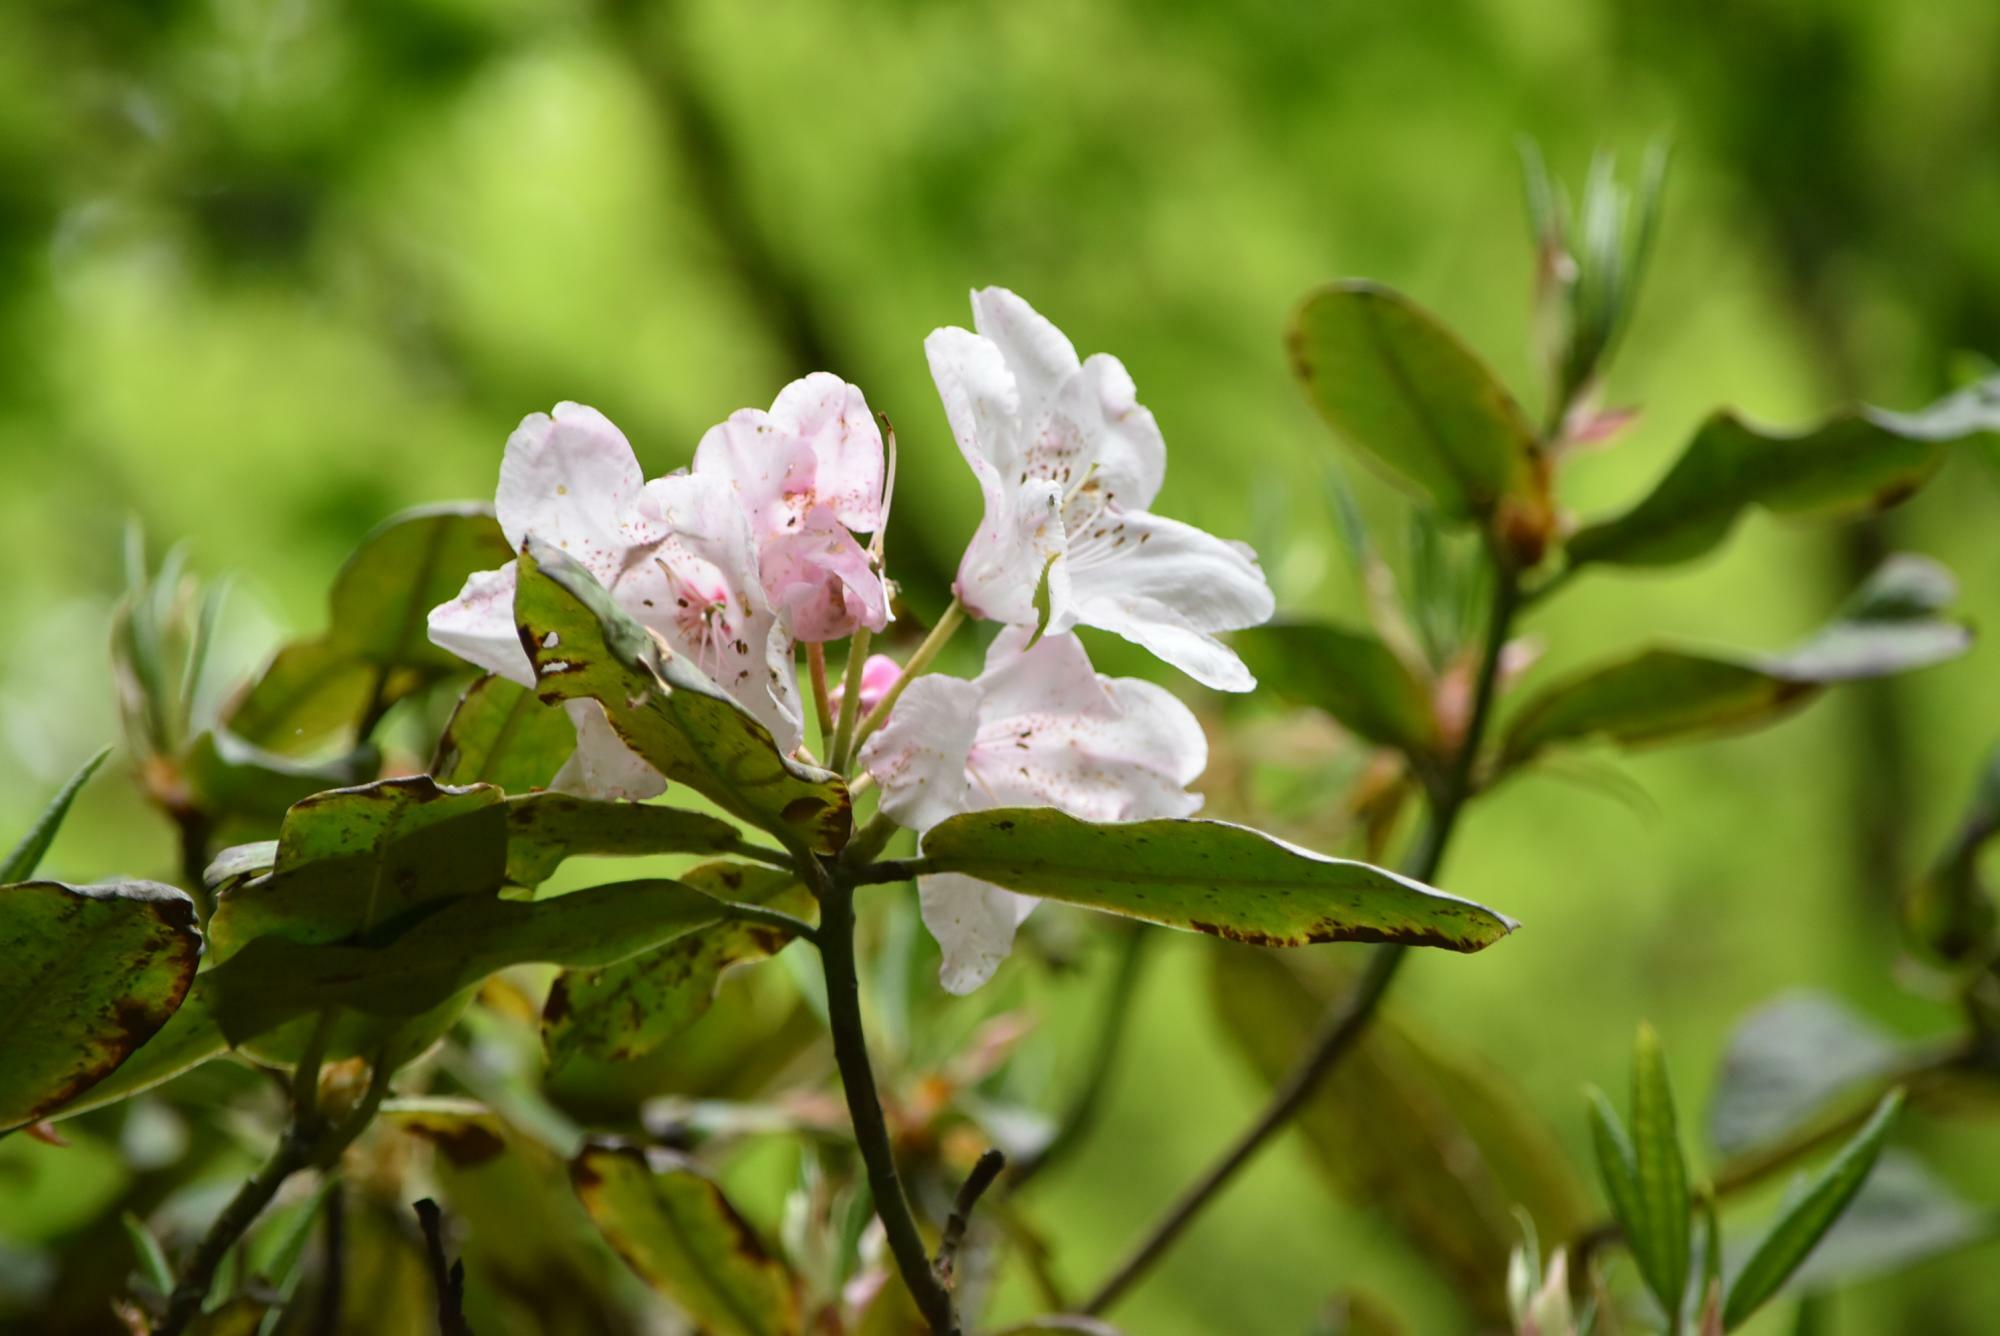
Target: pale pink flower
column 1068, row 462
column 809, row 474
column 676, row 554
column 878, row 674
column 1037, row 728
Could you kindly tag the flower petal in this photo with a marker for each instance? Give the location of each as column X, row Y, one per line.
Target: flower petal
column 1039, row 355
column 821, row 580
column 974, row 923
column 761, row 459
column 709, row 604
column 602, row 766
column 982, row 404
column 1019, row 544
column 832, row 419
column 1169, row 587
column 919, row 756
column 571, row 480
column 478, row 626
column 1098, row 420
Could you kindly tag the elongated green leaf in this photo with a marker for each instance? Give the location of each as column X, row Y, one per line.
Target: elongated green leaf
column 92, row 973
column 1205, row 876
column 1902, row 1216
column 500, row 734
column 1350, row 674
column 20, row 864
column 680, row 1234
column 1438, row 1146
column 376, row 647
column 353, row 859
column 545, row 828
column 1891, row 625
column 1792, row 1237
column 149, row 1257
column 274, row 979
column 625, row 1011
column 665, row 709
column 1402, row 389
column 1617, row 1163
column 189, row 1038
column 1660, row 1230
column 1863, row 460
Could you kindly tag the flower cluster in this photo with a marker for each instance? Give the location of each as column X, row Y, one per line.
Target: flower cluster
column 754, row 549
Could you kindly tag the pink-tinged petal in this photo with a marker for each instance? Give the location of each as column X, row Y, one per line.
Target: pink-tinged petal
column 1055, row 734
column 878, row 676
column 832, row 419
column 1017, row 546
column 478, row 626
column 1169, row 587
column 919, row 756
column 708, row 603
column 571, row 480
column 982, row 404
column 602, row 766
column 761, row 459
column 1040, row 356
column 822, row 582
column 1098, row 421
column 974, row 923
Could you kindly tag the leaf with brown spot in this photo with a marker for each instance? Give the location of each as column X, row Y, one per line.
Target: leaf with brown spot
column 92, row 973
column 676, row 1230
column 501, row 734
column 545, row 828
column 685, row 726
column 1206, row 876
column 1891, row 625
column 1854, row 463
column 625, row 1011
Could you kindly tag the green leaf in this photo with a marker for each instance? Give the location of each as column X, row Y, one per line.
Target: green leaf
column 500, row 734
column 1437, row 1145
column 454, row 947
column 1349, row 674
column 92, row 973
column 1660, row 695
column 20, row 864
column 351, row 860
column 680, row 1234
column 665, row 709
column 149, row 1257
column 1795, row 1232
column 189, row 1038
column 624, row 1011
column 545, row 828
column 1617, row 1163
column 376, row 648
column 1402, row 389
column 1659, row 1232
column 1949, row 911
column 1798, row 1059
column 1205, row 876
column 1863, row 460
column 1901, row 1216
column 232, row 777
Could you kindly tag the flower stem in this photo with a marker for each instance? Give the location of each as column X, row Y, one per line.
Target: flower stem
column 864, row 1105
column 850, row 700
column 947, row 626
column 816, row 663
column 1348, row 1020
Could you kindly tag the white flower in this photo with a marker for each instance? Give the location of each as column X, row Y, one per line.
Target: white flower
column 807, row 473
column 1068, row 462
column 676, row 554
column 1037, row 728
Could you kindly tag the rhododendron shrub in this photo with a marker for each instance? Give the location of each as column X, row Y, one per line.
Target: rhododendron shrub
column 385, row 901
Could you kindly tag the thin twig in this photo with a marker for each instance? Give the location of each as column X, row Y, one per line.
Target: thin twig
column 1348, row 1020
column 981, row 1178
column 333, row 1262
column 449, row 1277
column 822, row 702
column 850, row 700
column 864, row 1103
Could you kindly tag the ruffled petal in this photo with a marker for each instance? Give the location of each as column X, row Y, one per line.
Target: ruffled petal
column 602, row 766
column 1169, row 587
column 974, row 923
column 478, row 626
column 1097, row 420
column 571, row 480
column 761, row 459
column 821, row 580
column 982, row 405
column 919, row 756
column 1040, row 356
column 831, row 418
column 1018, row 545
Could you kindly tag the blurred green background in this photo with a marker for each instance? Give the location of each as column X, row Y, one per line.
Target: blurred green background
column 271, row 269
